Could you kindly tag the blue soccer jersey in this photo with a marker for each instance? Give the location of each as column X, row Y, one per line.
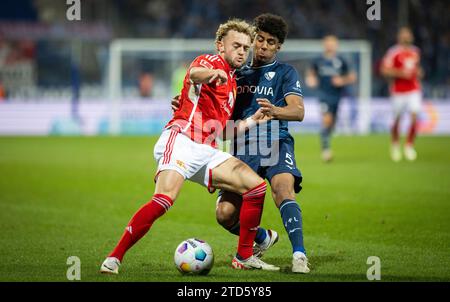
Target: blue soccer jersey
column 274, row 82
column 326, row 69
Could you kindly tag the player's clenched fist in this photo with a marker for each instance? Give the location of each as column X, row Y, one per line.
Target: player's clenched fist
column 220, row 76
column 175, row 103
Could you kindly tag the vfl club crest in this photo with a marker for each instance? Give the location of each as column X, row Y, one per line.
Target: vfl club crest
column 269, row 75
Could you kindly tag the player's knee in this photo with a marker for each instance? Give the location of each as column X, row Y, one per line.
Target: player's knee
column 172, row 194
column 328, row 120
column 226, row 215
column 282, row 191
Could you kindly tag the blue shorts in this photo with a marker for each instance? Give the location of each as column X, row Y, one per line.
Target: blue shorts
column 281, row 162
column 329, row 106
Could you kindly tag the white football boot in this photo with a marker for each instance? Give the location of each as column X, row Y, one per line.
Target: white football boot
column 410, row 153
column 327, row 155
column 253, row 263
column 300, row 263
column 260, row 249
column 396, row 153
column 110, row 266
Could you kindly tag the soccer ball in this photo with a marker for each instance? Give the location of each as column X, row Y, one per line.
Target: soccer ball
column 194, row 256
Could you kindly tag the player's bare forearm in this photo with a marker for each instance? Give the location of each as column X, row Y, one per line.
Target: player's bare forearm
column 350, row 78
column 293, row 111
column 202, row 75
column 340, row 81
column 391, row 72
column 311, row 79
column 239, row 127
column 420, row 73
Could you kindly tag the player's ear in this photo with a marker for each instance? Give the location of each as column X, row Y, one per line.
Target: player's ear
column 220, row 47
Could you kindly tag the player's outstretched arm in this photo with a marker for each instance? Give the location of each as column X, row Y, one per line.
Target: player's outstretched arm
column 293, row 111
column 240, row 126
column 311, row 78
column 339, row 81
column 202, row 75
column 392, row 72
column 175, row 103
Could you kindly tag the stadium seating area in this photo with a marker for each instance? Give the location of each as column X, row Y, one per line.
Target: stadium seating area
column 308, row 19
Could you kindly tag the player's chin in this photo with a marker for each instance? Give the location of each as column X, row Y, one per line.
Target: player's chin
column 238, row 63
column 263, row 59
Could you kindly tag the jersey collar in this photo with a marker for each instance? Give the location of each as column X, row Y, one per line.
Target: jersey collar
column 267, row 65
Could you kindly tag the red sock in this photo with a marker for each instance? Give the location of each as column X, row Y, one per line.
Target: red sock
column 412, row 134
column 141, row 223
column 250, row 217
column 395, row 132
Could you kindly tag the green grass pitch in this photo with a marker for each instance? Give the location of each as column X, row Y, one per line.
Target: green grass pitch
column 73, row 196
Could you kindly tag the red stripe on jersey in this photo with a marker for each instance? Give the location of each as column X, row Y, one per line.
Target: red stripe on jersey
column 169, row 146
column 172, row 143
column 194, row 108
column 206, row 64
column 211, row 189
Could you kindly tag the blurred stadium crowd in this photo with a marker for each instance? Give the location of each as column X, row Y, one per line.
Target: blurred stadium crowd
column 35, row 34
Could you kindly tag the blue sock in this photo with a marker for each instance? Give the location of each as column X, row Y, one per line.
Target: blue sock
column 261, row 234
column 325, row 134
column 292, row 220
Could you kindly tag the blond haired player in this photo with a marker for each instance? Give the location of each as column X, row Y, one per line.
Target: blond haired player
column 186, row 148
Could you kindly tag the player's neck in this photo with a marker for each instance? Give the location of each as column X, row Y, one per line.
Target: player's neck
column 329, row 55
column 405, row 45
column 256, row 63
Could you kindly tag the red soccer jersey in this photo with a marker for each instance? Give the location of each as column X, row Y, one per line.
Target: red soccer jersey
column 205, row 108
column 406, row 59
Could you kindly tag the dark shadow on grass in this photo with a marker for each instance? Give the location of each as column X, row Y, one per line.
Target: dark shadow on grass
column 286, row 262
column 363, row 278
column 319, row 260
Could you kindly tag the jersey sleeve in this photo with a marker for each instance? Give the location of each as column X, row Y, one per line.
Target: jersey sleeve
column 291, row 83
column 206, row 61
column 388, row 60
column 418, row 52
column 346, row 68
column 315, row 66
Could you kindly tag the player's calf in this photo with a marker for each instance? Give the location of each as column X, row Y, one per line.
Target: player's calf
column 227, row 210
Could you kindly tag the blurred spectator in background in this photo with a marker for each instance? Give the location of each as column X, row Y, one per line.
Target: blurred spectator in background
column 178, row 78
column 2, row 91
column 4, row 49
column 145, row 84
column 17, row 59
column 307, row 19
